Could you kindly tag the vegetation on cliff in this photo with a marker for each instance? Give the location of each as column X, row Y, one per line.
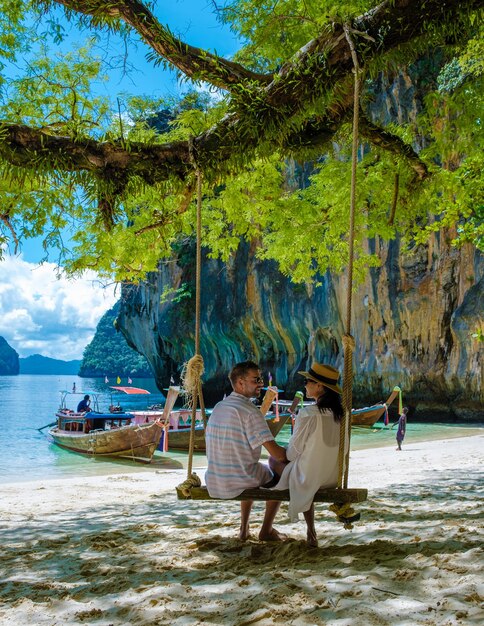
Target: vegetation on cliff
column 124, row 191
column 108, row 354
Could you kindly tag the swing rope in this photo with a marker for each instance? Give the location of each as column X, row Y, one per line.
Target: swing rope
column 345, row 511
column 192, row 376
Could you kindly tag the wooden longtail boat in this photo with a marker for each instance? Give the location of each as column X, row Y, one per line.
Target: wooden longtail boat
column 105, row 434
column 179, row 435
column 179, row 438
column 365, row 417
column 369, row 415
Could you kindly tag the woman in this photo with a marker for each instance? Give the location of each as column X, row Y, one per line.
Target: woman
column 313, row 449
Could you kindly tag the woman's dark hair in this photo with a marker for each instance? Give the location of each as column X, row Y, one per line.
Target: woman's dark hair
column 331, row 400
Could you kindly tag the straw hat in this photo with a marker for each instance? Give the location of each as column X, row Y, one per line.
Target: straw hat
column 324, row 374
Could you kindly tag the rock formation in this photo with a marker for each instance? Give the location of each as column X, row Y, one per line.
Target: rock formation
column 414, row 318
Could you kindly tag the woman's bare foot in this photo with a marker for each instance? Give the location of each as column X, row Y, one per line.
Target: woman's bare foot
column 272, row 535
column 312, row 540
column 244, row 534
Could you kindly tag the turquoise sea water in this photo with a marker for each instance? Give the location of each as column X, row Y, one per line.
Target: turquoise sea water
column 29, row 402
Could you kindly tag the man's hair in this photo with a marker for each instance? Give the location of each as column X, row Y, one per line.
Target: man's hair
column 241, row 369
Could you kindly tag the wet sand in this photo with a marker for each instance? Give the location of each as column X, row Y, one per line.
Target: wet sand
column 121, row 549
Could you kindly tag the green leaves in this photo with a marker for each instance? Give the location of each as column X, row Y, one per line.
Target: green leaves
column 274, row 31
column 55, row 93
column 124, row 204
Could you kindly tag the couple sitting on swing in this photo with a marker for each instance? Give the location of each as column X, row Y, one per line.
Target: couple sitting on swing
column 237, row 430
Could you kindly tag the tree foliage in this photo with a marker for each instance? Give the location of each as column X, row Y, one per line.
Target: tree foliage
column 112, row 190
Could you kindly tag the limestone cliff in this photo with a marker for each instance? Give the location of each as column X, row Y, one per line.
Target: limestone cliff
column 415, row 321
column 414, row 318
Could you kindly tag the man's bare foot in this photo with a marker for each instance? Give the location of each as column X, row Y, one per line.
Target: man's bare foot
column 244, row 534
column 272, row 535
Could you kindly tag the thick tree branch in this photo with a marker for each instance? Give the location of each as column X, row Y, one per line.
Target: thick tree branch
column 271, row 115
column 383, row 139
column 324, row 66
column 194, row 62
column 25, row 147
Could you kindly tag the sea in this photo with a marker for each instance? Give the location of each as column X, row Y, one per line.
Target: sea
column 28, row 404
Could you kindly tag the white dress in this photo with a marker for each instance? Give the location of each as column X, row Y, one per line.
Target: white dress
column 313, row 454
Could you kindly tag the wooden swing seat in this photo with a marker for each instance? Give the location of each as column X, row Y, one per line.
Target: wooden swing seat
column 333, row 495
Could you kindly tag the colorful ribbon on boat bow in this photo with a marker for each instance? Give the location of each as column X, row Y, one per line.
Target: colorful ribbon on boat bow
column 386, row 418
column 400, row 399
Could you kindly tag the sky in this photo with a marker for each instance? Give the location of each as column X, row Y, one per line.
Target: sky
column 40, row 314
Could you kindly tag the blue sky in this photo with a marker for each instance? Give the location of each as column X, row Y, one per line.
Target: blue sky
column 40, row 314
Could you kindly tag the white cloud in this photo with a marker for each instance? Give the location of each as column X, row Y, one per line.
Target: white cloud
column 40, row 314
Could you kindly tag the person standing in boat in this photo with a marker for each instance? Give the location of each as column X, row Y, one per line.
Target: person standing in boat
column 84, row 405
column 236, row 432
column 313, row 448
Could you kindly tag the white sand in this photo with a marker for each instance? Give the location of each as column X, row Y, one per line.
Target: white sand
column 121, row 549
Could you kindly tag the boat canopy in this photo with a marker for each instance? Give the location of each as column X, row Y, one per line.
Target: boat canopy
column 131, row 390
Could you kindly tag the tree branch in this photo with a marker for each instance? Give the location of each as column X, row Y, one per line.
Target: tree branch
column 195, row 63
column 273, row 114
column 324, row 66
column 28, row 147
column 5, row 218
column 392, row 143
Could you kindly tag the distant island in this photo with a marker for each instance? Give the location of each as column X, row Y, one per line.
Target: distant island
column 12, row 365
column 38, row 364
column 9, row 361
column 108, row 354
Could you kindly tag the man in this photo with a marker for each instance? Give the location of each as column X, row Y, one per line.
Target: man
column 84, row 405
column 236, row 432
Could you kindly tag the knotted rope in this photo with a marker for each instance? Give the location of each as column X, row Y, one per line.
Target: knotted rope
column 185, row 487
column 345, row 514
column 190, row 379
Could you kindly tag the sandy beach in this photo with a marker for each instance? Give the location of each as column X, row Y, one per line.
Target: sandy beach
column 121, row 549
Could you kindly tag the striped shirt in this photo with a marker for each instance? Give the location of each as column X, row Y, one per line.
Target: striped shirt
column 235, row 433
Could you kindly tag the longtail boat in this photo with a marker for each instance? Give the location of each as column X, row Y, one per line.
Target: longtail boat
column 365, row 417
column 177, row 437
column 369, row 415
column 116, row 434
